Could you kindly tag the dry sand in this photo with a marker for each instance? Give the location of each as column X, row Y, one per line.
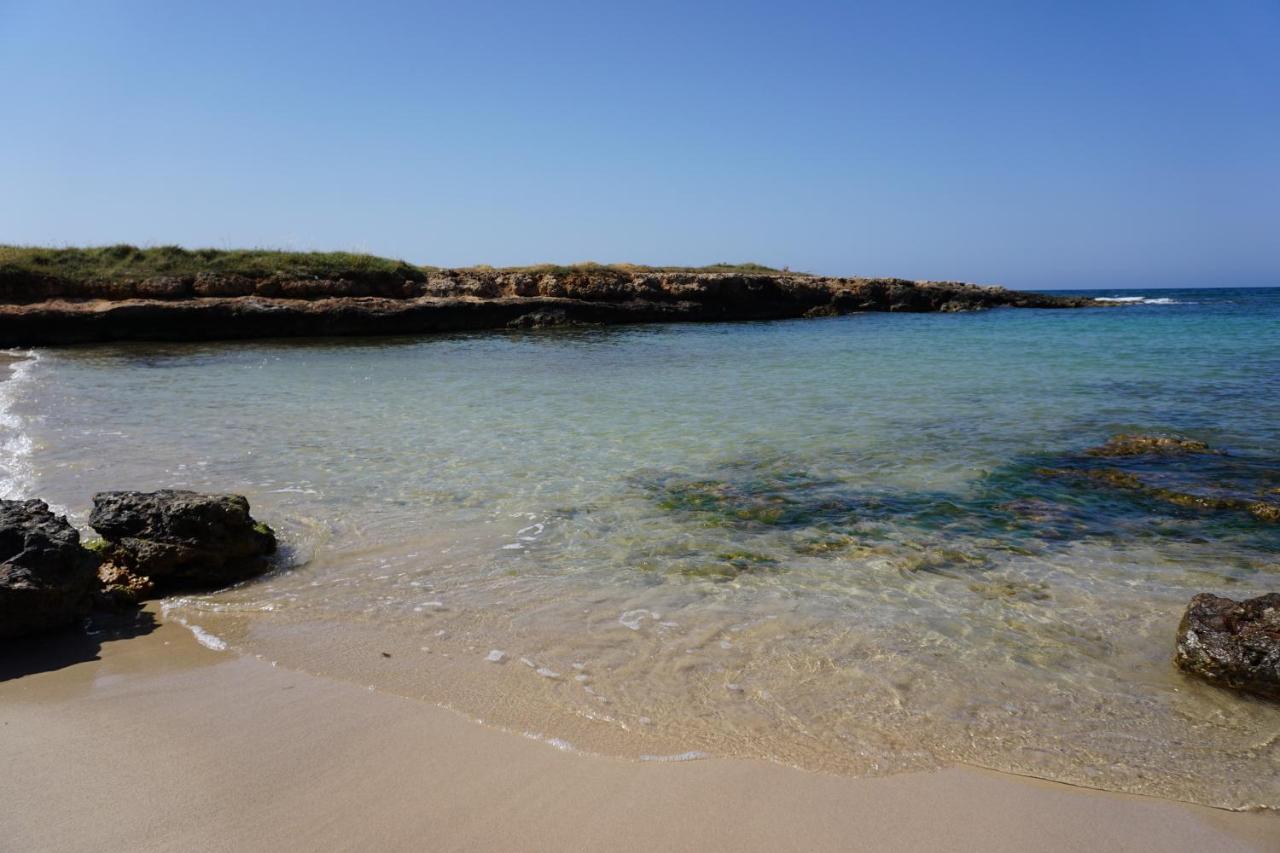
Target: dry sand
column 157, row 743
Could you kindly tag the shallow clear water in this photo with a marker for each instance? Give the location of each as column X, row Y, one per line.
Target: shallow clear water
column 828, row 543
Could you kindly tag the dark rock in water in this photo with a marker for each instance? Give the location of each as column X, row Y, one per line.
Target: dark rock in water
column 1265, row 510
column 46, row 578
column 1233, row 644
column 170, row 539
column 544, row 320
column 1141, row 445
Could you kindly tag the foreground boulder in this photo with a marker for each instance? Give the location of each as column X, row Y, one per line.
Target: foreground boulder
column 158, row 541
column 1233, row 644
column 46, row 579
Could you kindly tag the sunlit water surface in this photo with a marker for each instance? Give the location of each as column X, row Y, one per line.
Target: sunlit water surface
column 826, row 543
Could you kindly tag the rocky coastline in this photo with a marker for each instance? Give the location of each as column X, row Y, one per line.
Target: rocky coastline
column 48, row 308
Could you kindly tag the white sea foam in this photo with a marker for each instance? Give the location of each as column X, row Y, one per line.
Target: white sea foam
column 16, row 474
column 683, row 756
column 1141, row 300
column 526, row 534
column 634, row 618
column 168, row 608
column 558, row 743
column 209, row 641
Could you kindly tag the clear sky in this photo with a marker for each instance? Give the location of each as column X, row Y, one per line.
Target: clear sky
column 1070, row 144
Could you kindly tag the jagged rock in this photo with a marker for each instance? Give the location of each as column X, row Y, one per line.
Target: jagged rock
column 1141, row 445
column 1233, row 644
column 46, row 578
column 543, row 320
column 171, row 539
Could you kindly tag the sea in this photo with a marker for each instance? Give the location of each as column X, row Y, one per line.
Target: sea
column 858, row 545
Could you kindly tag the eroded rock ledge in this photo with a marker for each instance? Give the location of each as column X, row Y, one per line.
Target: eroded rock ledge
column 38, row 310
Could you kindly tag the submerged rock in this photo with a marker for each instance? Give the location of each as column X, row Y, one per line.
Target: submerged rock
column 169, row 539
column 1142, row 445
column 1218, row 497
column 46, row 578
column 1233, row 644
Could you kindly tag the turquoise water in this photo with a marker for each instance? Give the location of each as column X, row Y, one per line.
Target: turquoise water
column 829, row 543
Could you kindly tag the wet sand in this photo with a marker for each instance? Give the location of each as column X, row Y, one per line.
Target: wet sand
column 157, row 743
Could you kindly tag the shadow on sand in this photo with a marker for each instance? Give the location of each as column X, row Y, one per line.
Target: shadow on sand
column 77, row 644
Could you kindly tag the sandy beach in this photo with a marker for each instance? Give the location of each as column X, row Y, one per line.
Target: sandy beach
column 155, row 742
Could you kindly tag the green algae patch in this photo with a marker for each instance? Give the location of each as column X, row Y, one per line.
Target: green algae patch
column 756, row 499
column 745, row 561
column 1006, row 590
column 96, row 545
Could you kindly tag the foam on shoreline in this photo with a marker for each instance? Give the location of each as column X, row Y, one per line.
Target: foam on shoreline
column 16, row 473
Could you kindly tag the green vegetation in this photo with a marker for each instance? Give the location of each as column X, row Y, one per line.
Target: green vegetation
column 131, row 262
column 97, row 546
column 263, row 529
column 123, row 261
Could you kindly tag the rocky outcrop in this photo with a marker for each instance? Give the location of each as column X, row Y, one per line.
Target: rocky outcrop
column 1141, row 445
column 1233, row 644
column 46, row 578
column 543, row 320
column 165, row 540
column 38, row 311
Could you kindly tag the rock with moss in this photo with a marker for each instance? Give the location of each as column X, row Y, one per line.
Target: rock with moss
column 1233, row 644
column 171, row 539
column 1127, row 444
column 46, row 577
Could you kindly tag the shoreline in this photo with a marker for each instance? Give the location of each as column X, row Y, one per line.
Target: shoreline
column 161, row 743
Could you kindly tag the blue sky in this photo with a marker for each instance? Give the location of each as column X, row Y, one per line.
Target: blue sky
column 1028, row 144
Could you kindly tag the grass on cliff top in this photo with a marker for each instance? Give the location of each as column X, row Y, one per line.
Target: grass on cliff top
column 125, row 261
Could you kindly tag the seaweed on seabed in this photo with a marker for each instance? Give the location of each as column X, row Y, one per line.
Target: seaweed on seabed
column 1195, row 490
column 1024, row 506
column 757, row 499
column 728, row 565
